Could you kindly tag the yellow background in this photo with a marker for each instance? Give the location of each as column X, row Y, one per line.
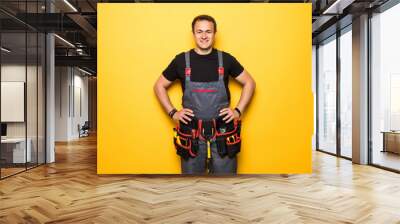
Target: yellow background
column 136, row 42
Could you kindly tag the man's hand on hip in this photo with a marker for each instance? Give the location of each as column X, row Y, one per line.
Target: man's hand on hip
column 228, row 114
column 185, row 115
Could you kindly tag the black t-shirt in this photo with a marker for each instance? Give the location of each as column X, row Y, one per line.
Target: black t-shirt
column 204, row 68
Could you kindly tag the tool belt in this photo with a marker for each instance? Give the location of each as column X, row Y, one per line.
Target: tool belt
column 226, row 135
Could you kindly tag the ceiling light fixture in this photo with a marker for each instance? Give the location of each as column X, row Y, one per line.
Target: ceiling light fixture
column 5, row 50
column 337, row 7
column 70, row 5
column 64, row 40
column 84, row 71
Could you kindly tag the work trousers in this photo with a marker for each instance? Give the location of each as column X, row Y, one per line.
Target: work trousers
column 216, row 165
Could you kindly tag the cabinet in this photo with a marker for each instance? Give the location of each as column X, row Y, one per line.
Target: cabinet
column 391, row 142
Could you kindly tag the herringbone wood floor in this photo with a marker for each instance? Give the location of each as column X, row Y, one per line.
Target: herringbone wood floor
column 70, row 191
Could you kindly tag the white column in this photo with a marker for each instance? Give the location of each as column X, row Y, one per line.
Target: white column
column 360, row 90
column 50, row 92
column 50, row 99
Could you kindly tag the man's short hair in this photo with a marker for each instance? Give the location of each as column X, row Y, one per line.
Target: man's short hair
column 204, row 17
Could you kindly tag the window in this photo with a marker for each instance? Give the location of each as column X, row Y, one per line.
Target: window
column 327, row 95
column 346, row 93
column 385, row 88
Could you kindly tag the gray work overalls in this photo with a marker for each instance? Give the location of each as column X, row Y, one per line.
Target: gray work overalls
column 206, row 99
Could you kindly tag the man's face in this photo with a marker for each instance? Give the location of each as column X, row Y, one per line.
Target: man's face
column 204, row 34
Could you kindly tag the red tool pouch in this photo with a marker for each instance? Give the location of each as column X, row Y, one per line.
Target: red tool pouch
column 185, row 141
column 228, row 138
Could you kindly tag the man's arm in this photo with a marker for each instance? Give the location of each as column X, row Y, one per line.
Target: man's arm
column 248, row 87
column 160, row 88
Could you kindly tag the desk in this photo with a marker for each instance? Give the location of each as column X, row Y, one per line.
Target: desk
column 391, row 141
column 15, row 148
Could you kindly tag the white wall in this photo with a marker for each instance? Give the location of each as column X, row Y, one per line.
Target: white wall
column 62, row 81
column 12, row 73
column 71, row 94
column 81, row 89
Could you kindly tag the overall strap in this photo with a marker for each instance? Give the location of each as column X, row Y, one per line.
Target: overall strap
column 188, row 70
column 220, row 65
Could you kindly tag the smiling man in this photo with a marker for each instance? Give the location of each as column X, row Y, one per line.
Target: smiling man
column 207, row 136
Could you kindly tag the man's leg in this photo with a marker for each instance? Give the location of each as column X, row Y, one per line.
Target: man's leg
column 223, row 165
column 196, row 165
